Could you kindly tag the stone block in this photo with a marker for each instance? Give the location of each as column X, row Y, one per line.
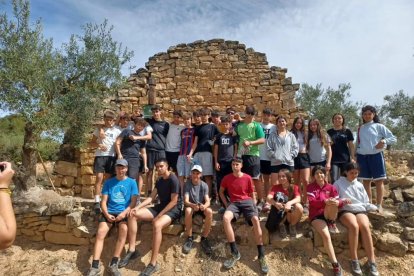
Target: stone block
column 300, row 243
column 65, row 192
column 57, row 180
column 66, row 168
column 402, row 182
column 63, row 206
column 173, row 229
column 338, row 240
column 77, row 189
column 68, row 181
column 88, row 179
column 73, row 220
column 35, row 219
column 405, row 209
column 409, row 233
column 36, row 223
column 59, row 219
column 88, row 191
column 393, row 227
column 397, row 196
column 57, row 228
column 408, row 194
column 27, row 232
column 35, row 238
column 82, row 232
column 64, row 238
column 391, row 243
column 244, row 234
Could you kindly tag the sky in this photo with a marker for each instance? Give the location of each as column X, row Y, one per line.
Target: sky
column 369, row 44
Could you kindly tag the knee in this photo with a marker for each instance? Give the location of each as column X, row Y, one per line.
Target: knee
column 188, row 211
column 227, row 219
column 208, row 212
column 354, row 228
column 255, row 220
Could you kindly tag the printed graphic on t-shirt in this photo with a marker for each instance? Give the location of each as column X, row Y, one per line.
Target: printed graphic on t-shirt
column 118, row 194
column 225, row 140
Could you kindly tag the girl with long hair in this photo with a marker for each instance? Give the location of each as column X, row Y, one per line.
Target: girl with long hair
column 319, row 145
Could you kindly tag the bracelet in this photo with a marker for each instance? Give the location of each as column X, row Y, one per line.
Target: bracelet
column 6, row 190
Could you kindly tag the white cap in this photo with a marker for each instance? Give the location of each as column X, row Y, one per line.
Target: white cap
column 197, row 167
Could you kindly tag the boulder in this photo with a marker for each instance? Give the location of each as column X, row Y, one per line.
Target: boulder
column 397, row 195
column 300, row 243
column 245, row 236
column 68, row 181
column 88, row 191
column 73, row 219
column 409, row 233
column 402, row 182
column 64, row 238
column 391, row 243
column 61, row 207
column 394, row 227
column 59, row 219
column 406, row 209
column 57, row 228
column 62, row 268
column 173, row 229
column 66, row 168
column 409, row 221
column 408, row 194
column 82, row 232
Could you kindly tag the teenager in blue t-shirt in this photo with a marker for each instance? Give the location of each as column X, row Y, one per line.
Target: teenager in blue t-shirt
column 119, row 196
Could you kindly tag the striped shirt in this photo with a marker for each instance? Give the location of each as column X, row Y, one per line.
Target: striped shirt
column 187, row 140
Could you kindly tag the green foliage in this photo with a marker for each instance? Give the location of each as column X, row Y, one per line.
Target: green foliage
column 324, row 103
column 397, row 114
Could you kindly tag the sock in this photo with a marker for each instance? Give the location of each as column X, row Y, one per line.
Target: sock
column 233, row 248
column 114, row 260
column 260, row 251
column 97, row 198
column 95, row 263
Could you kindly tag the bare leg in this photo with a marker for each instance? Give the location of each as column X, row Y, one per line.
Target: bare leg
column 149, row 180
column 294, row 217
column 274, row 178
column 103, row 229
column 209, row 181
column 120, row 242
column 259, row 189
column 349, row 220
column 379, row 184
column 188, row 219
column 158, row 225
column 142, row 214
column 227, row 217
column 366, row 237
column 266, row 183
column 321, row 227
column 367, row 186
column 304, row 176
column 98, row 183
column 257, row 230
column 207, row 222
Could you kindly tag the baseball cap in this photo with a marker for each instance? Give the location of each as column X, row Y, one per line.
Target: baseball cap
column 121, row 162
column 197, row 167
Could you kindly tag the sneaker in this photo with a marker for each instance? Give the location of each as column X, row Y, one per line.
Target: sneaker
column 263, row 265
column 130, row 255
column 356, row 267
column 229, row 263
column 205, row 245
column 260, row 206
column 266, row 207
column 282, row 230
column 380, row 209
column 149, row 270
column 94, row 271
column 97, row 208
column 292, row 231
column 332, row 228
column 337, row 269
column 373, row 270
column 188, row 245
column 113, row 270
column 221, row 210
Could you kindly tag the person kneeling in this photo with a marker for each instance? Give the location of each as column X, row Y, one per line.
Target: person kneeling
column 119, row 195
column 354, row 217
column 242, row 201
column 285, row 201
column 197, row 202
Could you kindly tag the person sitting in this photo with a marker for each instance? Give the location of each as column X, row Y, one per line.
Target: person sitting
column 7, row 218
column 240, row 189
column 285, row 201
column 323, row 210
column 354, row 217
column 197, row 202
column 119, row 195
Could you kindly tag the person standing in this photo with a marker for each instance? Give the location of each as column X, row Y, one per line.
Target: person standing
column 172, row 146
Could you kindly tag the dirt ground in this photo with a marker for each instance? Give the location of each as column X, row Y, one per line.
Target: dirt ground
column 39, row 258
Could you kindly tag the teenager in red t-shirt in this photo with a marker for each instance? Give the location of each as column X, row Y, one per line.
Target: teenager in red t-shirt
column 240, row 189
column 285, row 201
column 323, row 211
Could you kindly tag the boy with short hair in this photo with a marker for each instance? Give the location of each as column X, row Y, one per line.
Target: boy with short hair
column 187, row 140
column 119, row 196
column 197, row 202
column 172, row 146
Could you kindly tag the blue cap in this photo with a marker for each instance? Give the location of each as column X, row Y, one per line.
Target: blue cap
column 121, row 162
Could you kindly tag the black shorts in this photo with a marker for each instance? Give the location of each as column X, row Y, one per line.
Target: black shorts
column 251, row 165
column 102, row 218
column 265, row 167
column 153, row 156
column 245, row 207
column 104, row 164
column 321, row 217
column 133, row 167
column 174, row 213
column 277, row 168
column 302, row 161
column 343, row 212
column 141, row 165
column 198, row 213
column 322, row 163
column 172, row 158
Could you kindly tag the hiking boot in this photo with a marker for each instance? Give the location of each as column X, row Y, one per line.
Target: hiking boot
column 130, row 255
column 263, row 265
column 266, row 207
column 113, row 270
column 188, row 245
column 282, row 230
column 149, row 270
column 292, row 231
column 97, row 208
column 356, row 267
column 332, row 228
column 205, row 245
column 94, row 271
column 373, row 270
column 229, row 263
column 337, row 269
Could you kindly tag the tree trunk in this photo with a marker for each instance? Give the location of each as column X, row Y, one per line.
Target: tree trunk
column 31, row 139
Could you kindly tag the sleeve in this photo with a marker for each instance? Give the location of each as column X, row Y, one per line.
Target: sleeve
column 166, row 129
column 259, row 131
column 295, row 146
column 251, row 185
column 236, row 139
column 270, row 147
column 105, row 189
column 328, row 139
column 272, row 191
column 215, row 131
column 224, row 182
column 364, row 193
column 134, row 187
column 335, row 195
column 187, row 188
column 296, row 192
column 349, row 135
column 217, row 139
column 175, row 185
column 148, row 128
column 313, row 200
column 124, row 133
column 196, row 131
column 206, row 191
column 387, row 135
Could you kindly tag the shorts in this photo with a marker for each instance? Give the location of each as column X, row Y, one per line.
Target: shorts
column 205, row 160
column 102, row 218
column 265, row 167
column 245, row 207
column 302, row 161
column 343, row 212
column 183, row 166
column 198, row 213
column 322, row 163
column 104, row 164
column 133, row 167
column 172, row 158
column 174, row 213
column 141, row 165
column 153, row 156
column 321, row 217
column 251, row 166
column 277, row 168
column 371, row 166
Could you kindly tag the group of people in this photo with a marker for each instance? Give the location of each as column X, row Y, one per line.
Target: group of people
column 255, row 166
